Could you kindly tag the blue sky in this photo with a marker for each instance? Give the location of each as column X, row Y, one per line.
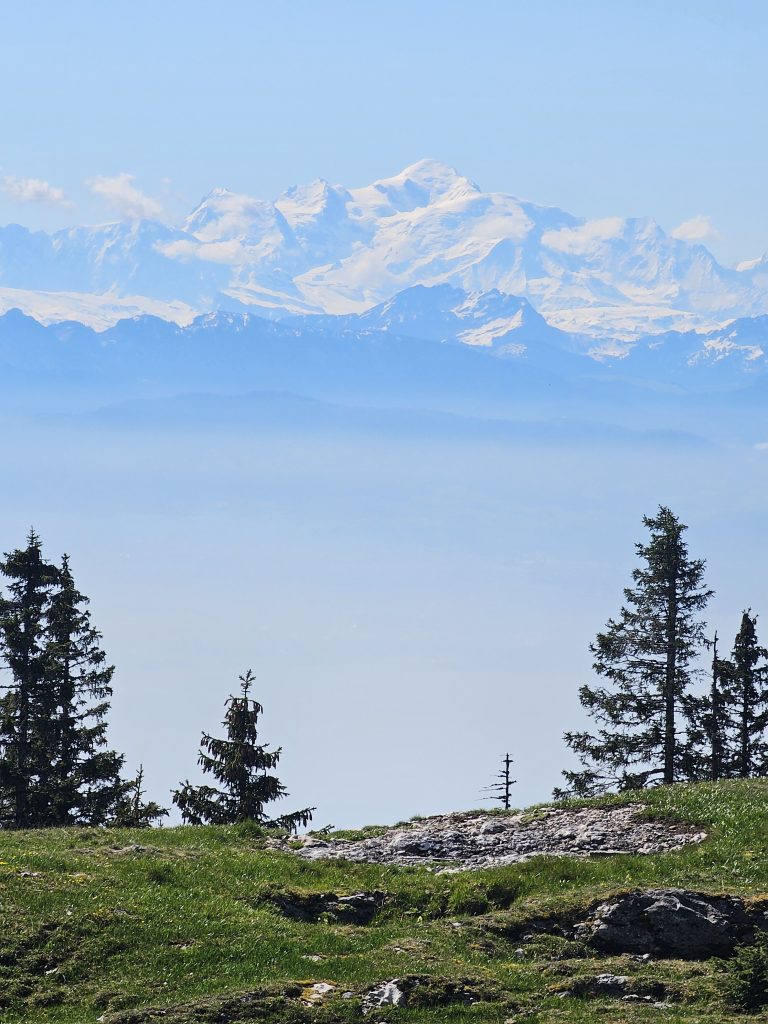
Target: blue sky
column 598, row 107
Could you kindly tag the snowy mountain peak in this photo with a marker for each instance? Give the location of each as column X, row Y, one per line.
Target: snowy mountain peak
column 435, row 178
column 224, row 214
column 328, row 249
column 303, row 204
column 445, row 313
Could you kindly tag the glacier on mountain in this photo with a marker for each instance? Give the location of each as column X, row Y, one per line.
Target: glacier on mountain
column 326, row 249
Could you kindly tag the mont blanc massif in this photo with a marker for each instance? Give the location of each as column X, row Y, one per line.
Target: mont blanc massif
column 419, row 291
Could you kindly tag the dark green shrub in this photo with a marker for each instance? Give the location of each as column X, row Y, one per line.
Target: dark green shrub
column 744, row 978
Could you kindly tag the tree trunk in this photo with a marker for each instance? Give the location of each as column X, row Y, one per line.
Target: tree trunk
column 716, row 739
column 744, row 758
column 669, row 684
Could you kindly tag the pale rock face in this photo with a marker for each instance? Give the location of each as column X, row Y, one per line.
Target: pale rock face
column 469, row 841
column 388, row 994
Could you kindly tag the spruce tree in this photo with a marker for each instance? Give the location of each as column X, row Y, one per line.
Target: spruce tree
column 24, row 710
column 133, row 811
column 706, row 753
column 716, row 716
column 84, row 784
column 242, row 767
column 645, row 658
column 54, row 768
column 746, row 696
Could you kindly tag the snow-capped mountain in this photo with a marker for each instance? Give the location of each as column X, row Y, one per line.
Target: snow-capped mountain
column 493, row 320
column 730, row 356
column 326, row 249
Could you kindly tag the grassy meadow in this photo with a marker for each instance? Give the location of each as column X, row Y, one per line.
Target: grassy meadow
column 182, row 924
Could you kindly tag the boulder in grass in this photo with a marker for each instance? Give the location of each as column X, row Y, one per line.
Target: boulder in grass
column 671, row 923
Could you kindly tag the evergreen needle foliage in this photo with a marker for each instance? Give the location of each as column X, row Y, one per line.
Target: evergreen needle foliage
column 746, row 697
column 714, row 718
column 84, row 783
column 645, row 657
column 54, row 765
column 744, row 978
column 133, row 811
column 24, row 764
column 242, row 766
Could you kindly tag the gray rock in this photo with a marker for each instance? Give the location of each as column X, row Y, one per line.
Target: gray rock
column 465, row 841
column 387, row 994
column 668, row 923
column 422, row 991
column 617, row 986
column 357, row 908
column 611, row 984
column 317, row 993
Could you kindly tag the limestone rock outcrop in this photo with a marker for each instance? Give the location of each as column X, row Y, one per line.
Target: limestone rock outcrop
column 674, row 923
column 465, row 841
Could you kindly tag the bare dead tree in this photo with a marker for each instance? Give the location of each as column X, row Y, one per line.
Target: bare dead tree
column 502, row 790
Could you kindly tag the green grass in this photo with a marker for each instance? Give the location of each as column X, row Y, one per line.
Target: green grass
column 91, row 927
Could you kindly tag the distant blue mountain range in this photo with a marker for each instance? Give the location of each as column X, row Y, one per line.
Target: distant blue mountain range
column 428, row 350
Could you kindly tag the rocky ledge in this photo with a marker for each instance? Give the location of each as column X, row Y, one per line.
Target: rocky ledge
column 673, row 923
column 467, row 841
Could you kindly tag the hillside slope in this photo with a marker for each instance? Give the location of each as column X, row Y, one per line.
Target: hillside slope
column 207, row 924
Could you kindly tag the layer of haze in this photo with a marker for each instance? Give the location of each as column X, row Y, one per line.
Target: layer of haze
column 412, row 608
column 603, row 108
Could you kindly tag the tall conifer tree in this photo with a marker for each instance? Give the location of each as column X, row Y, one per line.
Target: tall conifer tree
column 706, row 754
column 24, row 759
column 716, row 716
column 746, row 696
column 54, row 768
column 84, row 784
column 645, row 657
column 242, row 767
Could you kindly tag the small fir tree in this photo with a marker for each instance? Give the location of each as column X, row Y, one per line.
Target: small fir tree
column 746, row 696
column 24, row 709
column 716, row 716
column 502, row 790
column 706, row 753
column 645, row 657
column 133, row 811
column 242, row 767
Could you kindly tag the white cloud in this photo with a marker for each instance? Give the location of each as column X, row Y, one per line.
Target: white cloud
column 698, row 229
column 34, row 190
column 585, row 238
column 230, row 253
column 121, row 194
